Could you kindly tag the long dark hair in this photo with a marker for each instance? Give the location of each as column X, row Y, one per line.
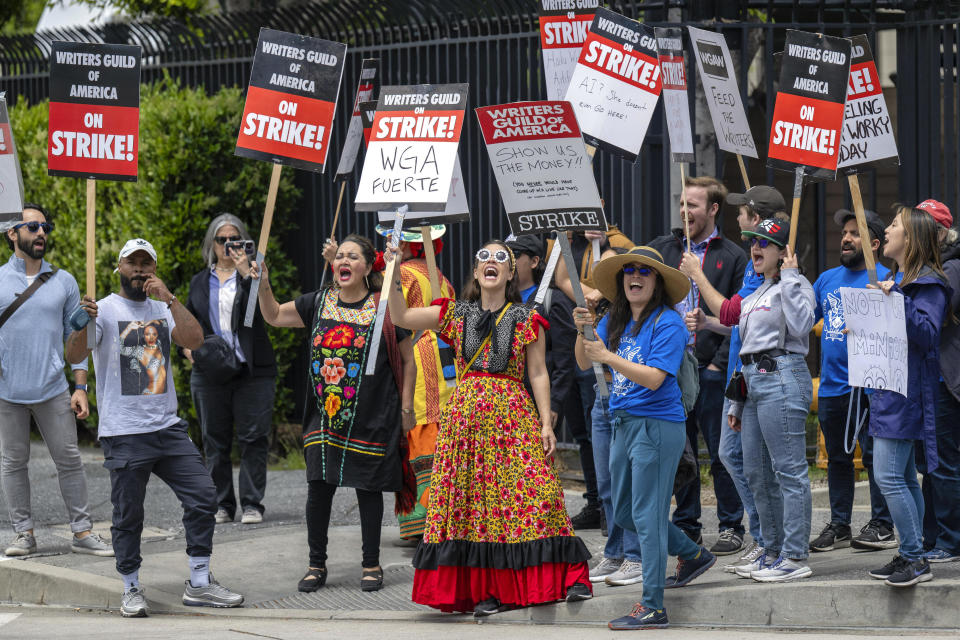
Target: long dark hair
column 620, row 313
column 471, row 290
column 375, row 279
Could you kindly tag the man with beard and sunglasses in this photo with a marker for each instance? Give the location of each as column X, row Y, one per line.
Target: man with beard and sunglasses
column 841, row 408
column 32, row 383
column 139, row 429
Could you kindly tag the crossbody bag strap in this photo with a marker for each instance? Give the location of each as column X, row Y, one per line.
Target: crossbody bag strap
column 23, row 297
column 484, row 343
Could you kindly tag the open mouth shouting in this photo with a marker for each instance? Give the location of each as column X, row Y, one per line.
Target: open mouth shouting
column 344, row 273
column 491, row 273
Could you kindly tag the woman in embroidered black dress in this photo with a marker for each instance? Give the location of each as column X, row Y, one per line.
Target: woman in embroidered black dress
column 352, row 422
column 497, row 533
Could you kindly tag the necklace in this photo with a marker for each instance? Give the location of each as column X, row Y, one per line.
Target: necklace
column 226, row 269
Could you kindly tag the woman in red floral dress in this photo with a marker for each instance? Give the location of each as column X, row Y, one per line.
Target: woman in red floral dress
column 497, row 534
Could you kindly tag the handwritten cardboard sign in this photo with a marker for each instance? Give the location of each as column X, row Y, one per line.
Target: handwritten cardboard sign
column 456, row 210
column 808, row 115
column 94, row 111
column 542, row 168
column 291, row 100
column 876, row 339
column 867, row 137
column 413, row 148
column 616, row 83
column 11, row 180
column 719, row 80
column 563, row 28
column 673, row 70
column 367, row 90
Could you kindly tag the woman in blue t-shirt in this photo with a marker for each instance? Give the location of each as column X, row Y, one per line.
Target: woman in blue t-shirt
column 645, row 341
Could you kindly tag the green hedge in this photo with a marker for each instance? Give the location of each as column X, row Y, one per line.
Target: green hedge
column 188, row 174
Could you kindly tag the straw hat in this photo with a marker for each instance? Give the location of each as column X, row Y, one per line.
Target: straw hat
column 436, row 231
column 605, row 273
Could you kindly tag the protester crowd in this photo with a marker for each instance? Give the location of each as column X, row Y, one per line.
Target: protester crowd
column 453, row 405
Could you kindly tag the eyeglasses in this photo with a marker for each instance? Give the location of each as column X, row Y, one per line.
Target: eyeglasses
column 500, row 255
column 640, row 271
column 35, row 226
column 763, row 243
column 225, row 239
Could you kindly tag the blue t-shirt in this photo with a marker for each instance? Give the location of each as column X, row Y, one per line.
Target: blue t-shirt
column 833, row 342
column 527, row 293
column 661, row 347
column 751, row 282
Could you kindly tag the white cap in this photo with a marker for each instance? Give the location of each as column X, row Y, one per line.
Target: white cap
column 132, row 246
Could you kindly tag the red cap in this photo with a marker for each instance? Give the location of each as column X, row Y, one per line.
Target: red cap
column 939, row 211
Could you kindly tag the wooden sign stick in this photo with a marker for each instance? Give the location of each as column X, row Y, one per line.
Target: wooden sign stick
column 865, row 239
column 385, row 293
column 683, row 207
column 743, row 171
column 582, row 302
column 595, row 243
column 795, row 212
column 91, row 252
column 333, row 232
column 264, row 237
column 431, row 257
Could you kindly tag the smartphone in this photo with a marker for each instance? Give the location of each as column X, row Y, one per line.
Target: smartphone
column 247, row 246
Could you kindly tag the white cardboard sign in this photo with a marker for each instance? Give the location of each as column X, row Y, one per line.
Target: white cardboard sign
column 11, row 180
column 673, row 68
column 719, row 79
column 457, row 209
column 876, row 339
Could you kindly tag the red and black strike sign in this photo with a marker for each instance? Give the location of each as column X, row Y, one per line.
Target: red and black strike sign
column 94, row 111
column 368, row 111
column 291, row 100
column 367, row 90
column 563, row 28
column 808, row 116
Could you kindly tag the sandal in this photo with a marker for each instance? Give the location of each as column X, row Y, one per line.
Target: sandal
column 371, row 579
column 315, row 578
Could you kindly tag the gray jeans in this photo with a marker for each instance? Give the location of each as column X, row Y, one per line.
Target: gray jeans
column 58, row 426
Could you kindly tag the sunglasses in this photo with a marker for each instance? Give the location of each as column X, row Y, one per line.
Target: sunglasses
column 640, row 271
column 763, row 243
column 35, row 226
column 500, row 255
column 225, row 239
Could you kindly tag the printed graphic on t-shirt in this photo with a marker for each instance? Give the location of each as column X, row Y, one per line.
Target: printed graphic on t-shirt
column 628, row 349
column 833, row 317
column 144, row 351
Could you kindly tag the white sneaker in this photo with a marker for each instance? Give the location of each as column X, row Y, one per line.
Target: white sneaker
column 782, row 570
column 92, row 544
column 222, row 516
column 23, row 545
column 251, row 516
column 745, row 570
column 133, row 604
column 630, row 572
column 604, row 568
column 751, row 553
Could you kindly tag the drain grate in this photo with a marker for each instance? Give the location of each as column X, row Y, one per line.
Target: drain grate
column 394, row 596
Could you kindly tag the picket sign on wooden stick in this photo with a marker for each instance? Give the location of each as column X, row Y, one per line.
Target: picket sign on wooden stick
column 862, row 227
column 743, row 171
column 795, row 212
column 333, row 232
column 431, row 257
column 385, row 292
column 548, row 273
column 91, row 251
column 595, row 243
column 264, row 237
column 683, row 207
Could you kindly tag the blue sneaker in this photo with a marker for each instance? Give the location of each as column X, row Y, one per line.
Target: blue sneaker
column 687, row 570
column 939, row 555
column 641, row 618
column 782, row 570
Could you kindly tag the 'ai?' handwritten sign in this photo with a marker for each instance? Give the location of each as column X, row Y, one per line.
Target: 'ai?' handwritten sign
column 876, row 339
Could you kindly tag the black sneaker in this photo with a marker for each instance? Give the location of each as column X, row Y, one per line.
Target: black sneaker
column 910, row 573
column 641, row 618
column 489, row 607
column 874, row 535
column 890, row 568
column 577, row 592
column 831, row 535
column 729, row 542
column 687, row 570
column 588, row 518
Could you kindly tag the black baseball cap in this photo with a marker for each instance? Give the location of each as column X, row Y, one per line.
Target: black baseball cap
column 874, row 223
column 765, row 201
column 773, row 229
column 530, row 244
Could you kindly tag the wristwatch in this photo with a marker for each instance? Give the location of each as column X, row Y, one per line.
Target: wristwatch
column 173, row 299
column 80, row 387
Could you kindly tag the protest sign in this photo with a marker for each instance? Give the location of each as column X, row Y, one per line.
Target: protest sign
column 676, row 105
column 808, row 115
column 94, row 111
column 563, row 28
column 368, row 110
column 11, row 180
column 616, row 83
column 457, row 208
column 867, row 137
column 876, row 339
column 719, row 80
column 413, row 148
column 291, row 100
column 542, row 168
column 367, row 91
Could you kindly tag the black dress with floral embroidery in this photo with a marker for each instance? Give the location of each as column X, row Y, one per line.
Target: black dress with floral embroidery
column 351, row 421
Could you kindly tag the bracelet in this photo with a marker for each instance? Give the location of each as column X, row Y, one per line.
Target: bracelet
column 80, row 387
column 406, row 411
column 172, row 300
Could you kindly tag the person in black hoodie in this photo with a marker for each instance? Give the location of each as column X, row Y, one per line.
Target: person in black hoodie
column 218, row 298
column 723, row 262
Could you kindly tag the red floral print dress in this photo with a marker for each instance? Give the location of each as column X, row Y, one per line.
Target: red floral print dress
column 496, row 524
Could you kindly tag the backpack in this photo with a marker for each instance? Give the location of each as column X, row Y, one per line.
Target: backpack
column 688, row 377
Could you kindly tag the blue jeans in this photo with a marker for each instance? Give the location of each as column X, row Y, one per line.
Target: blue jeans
column 731, row 455
column 896, row 472
column 705, row 418
column 621, row 543
column 941, row 488
column 644, row 454
column 832, row 413
column 775, row 453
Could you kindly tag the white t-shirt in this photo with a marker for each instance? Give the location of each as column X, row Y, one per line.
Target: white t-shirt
column 135, row 392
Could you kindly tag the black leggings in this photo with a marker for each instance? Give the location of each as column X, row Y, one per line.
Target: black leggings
column 319, row 502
